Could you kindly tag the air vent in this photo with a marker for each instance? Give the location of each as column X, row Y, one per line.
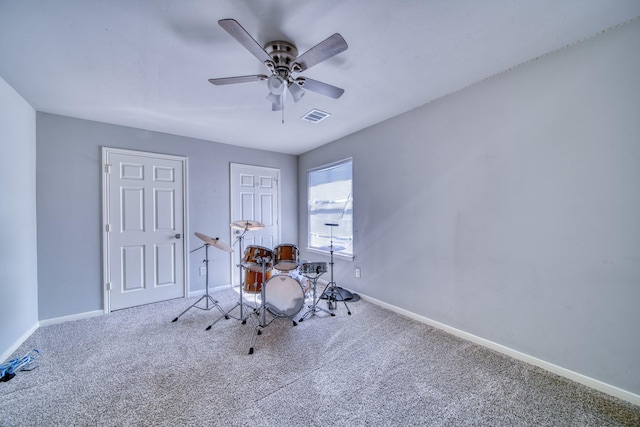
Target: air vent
column 315, row 116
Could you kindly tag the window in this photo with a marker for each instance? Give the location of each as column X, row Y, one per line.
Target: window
column 331, row 202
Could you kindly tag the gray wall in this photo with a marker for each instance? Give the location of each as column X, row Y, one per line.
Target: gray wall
column 70, row 204
column 511, row 210
column 18, row 245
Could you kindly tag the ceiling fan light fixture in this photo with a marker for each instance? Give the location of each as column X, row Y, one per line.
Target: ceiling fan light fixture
column 274, row 99
column 276, row 85
column 296, row 91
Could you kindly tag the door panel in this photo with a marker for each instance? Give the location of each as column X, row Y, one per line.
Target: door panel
column 144, row 225
column 255, row 197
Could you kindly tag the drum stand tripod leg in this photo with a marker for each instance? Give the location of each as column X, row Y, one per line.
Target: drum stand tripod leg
column 332, row 287
column 260, row 314
column 209, row 301
column 331, row 296
column 243, row 317
column 314, row 308
column 240, row 302
column 257, row 330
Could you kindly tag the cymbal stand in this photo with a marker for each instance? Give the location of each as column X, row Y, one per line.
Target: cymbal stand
column 332, row 288
column 240, row 302
column 260, row 313
column 209, row 301
column 314, row 307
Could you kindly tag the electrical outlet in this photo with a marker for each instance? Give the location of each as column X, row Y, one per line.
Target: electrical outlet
column 203, row 270
column 358, row 272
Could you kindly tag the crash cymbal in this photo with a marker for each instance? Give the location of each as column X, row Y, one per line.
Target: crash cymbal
column 214, row 242
column 245, row 224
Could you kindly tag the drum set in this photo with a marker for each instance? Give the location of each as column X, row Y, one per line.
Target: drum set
column 276, row 279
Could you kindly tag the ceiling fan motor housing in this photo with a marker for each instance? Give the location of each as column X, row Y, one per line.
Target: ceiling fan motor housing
column 282, row 54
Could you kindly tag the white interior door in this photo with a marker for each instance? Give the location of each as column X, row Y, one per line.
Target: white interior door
column 255, row 197
column 144, row 228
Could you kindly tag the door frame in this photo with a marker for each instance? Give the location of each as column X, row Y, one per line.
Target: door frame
column 106, row 261
column 232, row 200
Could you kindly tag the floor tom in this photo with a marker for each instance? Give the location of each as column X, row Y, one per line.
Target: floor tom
column 253, row 281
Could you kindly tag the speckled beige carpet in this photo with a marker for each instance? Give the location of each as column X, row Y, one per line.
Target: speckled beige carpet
column 373, row 368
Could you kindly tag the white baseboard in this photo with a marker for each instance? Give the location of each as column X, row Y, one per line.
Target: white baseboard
column 558, row 370
column 8, row 352
column 71, row 317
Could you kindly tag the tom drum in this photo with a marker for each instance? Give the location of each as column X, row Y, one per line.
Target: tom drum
column 286, row 257
column 254, row 255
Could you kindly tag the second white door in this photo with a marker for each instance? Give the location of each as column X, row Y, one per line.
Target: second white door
column 255, row 196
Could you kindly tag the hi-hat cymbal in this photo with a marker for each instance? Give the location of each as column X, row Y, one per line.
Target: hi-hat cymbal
column 245, row 224
column 214, row 242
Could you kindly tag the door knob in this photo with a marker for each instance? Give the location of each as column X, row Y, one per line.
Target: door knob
column 178, row 236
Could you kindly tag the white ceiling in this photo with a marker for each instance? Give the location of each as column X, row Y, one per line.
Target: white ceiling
column 145, row 63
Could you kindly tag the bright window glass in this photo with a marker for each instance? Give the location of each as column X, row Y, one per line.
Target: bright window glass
column 331, row 202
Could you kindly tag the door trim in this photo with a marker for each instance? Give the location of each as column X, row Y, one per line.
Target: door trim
column 106, row 261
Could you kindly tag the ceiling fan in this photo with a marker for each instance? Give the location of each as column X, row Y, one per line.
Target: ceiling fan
column 282, row 60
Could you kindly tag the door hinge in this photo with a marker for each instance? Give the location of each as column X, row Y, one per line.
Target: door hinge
column 107, row 168
column 107, row 228
column 108, row 286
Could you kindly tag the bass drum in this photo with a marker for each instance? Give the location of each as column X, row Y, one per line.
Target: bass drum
column 283, row 296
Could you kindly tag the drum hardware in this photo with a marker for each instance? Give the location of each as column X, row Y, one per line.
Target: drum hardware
column 244, row 225
column 313, row 271
column 260, row 313
column 332, row 290
column 209, row 301
column 282, row 296
column 255, row 255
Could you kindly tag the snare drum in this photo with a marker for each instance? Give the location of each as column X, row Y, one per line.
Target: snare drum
column 284, row 296
column 253, row 256
column 253, row 281
column 309, row 268
column 286, row 257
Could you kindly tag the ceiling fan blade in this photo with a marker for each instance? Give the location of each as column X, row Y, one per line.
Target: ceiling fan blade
column 238, row 79
column 320, row 52
column 319, row 87
column 241, row 35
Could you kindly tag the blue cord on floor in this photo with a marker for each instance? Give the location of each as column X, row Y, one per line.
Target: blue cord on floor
column 8, row 370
